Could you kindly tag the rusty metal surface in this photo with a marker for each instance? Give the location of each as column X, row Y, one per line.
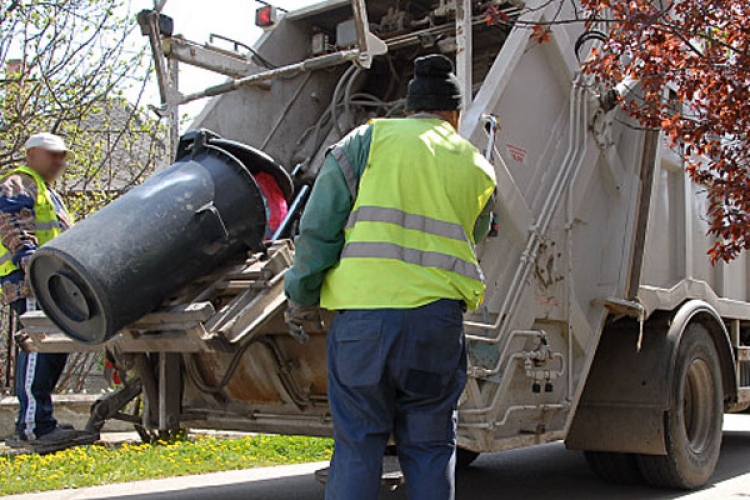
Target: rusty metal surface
column 275, row 370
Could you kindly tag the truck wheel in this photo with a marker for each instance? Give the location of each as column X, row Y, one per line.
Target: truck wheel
column 465, row 458
column 692, row 427
column 615, row 468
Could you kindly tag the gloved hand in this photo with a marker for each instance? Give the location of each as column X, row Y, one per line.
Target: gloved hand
column 303, row 320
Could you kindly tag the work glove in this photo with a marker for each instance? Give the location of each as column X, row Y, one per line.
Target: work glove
column 303, row 321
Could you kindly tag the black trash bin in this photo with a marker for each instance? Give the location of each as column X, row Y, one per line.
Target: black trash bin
column 125, row 260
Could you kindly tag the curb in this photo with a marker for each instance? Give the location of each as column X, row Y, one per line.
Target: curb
column 174, row 485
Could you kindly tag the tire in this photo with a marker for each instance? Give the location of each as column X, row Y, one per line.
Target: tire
column 615, row 468
column 464, row 458
column 693, row 426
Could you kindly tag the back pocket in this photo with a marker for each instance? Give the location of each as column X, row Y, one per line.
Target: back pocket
column 359, row 360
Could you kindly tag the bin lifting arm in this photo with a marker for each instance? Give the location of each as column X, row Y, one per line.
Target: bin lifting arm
column 369, row 47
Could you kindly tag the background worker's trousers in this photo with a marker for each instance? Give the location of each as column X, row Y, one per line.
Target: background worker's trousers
column 36, row 377
column 400, row 372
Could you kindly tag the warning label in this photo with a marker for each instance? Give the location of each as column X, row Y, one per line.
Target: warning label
column 517, row 153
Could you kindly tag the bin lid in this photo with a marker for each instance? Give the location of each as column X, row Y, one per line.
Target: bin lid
column 253, row 159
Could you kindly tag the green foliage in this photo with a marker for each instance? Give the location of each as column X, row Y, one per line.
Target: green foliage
column 93, row 465
column 695, row 52
column 64, row 68
column 66, row 65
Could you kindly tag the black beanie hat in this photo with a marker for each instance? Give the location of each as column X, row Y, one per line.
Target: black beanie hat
column 434, row 86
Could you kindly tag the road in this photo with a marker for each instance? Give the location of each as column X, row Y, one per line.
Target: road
column 548, row 472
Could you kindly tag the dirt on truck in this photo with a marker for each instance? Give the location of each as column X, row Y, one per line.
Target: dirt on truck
column 604, row 323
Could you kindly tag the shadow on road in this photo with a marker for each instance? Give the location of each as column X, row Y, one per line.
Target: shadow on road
column 548, row 472
column 551, row 472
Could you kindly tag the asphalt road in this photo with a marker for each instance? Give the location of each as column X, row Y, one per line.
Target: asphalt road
column 547, row 472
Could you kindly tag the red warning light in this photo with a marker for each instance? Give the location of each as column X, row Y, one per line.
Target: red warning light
column 265, row 17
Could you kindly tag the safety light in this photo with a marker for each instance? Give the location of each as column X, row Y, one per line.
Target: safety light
column 265, row 17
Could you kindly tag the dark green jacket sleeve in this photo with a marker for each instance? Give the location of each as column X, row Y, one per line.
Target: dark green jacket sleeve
column 321, row 238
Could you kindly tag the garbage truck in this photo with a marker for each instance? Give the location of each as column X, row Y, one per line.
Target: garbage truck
column 604, row 322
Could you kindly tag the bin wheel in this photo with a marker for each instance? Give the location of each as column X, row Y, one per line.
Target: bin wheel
column 693, row 426
column 615, row 468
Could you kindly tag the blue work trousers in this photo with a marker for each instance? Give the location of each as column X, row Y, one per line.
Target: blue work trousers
column 395, row 372
column 36, row 377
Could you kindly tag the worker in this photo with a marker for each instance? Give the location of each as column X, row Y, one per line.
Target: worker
column 31, row 213
column 387, row 242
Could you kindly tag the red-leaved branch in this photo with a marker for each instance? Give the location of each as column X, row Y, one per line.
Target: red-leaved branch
column 692, row 60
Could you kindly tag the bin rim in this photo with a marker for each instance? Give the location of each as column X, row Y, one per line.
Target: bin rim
column 243, row 170
column 99, row 297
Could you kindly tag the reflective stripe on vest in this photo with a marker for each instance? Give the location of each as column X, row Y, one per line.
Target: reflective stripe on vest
column 48, row 226
column 408, row 221
column 378, row 250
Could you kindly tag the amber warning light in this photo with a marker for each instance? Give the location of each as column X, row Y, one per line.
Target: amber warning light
column 265, row 17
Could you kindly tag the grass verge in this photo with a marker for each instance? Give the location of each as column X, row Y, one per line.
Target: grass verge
column 98, row 464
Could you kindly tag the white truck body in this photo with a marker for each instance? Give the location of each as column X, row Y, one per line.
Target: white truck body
column 599, row 267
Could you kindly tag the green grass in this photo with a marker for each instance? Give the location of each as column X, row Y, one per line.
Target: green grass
column 95, row 465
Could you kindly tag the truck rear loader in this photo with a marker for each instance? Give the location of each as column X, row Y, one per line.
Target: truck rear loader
column 604, row 323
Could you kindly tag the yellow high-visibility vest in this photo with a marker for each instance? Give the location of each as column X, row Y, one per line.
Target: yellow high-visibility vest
column 46, row 221
column 409, row 238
